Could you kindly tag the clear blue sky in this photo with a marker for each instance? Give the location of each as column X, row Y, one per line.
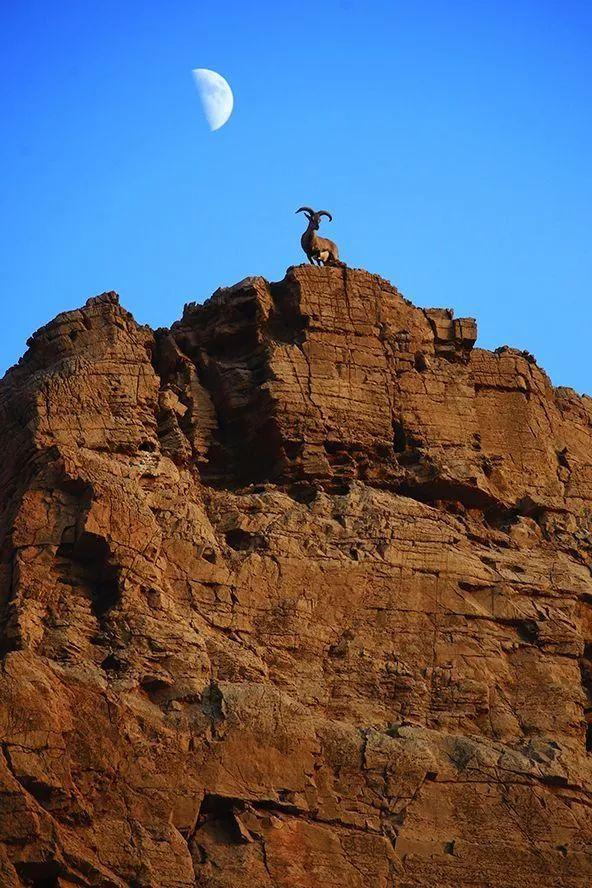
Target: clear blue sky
column 452, row 141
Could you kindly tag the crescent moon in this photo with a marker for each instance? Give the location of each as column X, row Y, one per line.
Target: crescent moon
column 216, row 96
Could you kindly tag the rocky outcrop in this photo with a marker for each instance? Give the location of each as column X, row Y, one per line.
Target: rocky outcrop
column 295, row 593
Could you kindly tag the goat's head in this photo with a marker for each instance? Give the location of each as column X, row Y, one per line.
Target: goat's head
column 314, row 216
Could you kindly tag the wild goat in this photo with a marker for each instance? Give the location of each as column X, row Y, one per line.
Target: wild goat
column 318, row 249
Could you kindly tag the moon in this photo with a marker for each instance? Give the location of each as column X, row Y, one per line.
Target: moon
column 216, row 96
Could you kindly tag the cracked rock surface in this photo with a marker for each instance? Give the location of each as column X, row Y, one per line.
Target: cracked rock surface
column 294, row 594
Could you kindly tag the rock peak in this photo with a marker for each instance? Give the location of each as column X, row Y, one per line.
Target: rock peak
column 295, row 592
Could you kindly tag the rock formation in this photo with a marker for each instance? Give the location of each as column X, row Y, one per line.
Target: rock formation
column 294, row 594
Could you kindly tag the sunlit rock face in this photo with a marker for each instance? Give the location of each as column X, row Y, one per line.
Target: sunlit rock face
column 294, row 594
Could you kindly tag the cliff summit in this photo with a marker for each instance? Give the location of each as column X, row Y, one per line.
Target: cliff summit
column 295, row 593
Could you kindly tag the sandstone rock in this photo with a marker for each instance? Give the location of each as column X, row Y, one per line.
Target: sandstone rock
column 296, row 593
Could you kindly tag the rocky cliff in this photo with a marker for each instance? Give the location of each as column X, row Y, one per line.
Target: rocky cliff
column 294, row 594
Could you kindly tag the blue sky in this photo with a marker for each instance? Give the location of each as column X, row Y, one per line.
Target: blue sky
column 452, row 141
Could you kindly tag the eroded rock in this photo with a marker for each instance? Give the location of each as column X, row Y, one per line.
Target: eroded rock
column 296, row 593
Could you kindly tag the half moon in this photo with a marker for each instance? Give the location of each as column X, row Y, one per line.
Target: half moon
column 216, row 96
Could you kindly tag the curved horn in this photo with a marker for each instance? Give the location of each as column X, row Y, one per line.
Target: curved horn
column 325, row 213
column 306, row 210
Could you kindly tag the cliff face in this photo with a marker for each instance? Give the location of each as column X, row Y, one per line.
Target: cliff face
column 294, row 594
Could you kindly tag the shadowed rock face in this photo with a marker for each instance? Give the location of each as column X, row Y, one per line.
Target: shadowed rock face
column 294, row 594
